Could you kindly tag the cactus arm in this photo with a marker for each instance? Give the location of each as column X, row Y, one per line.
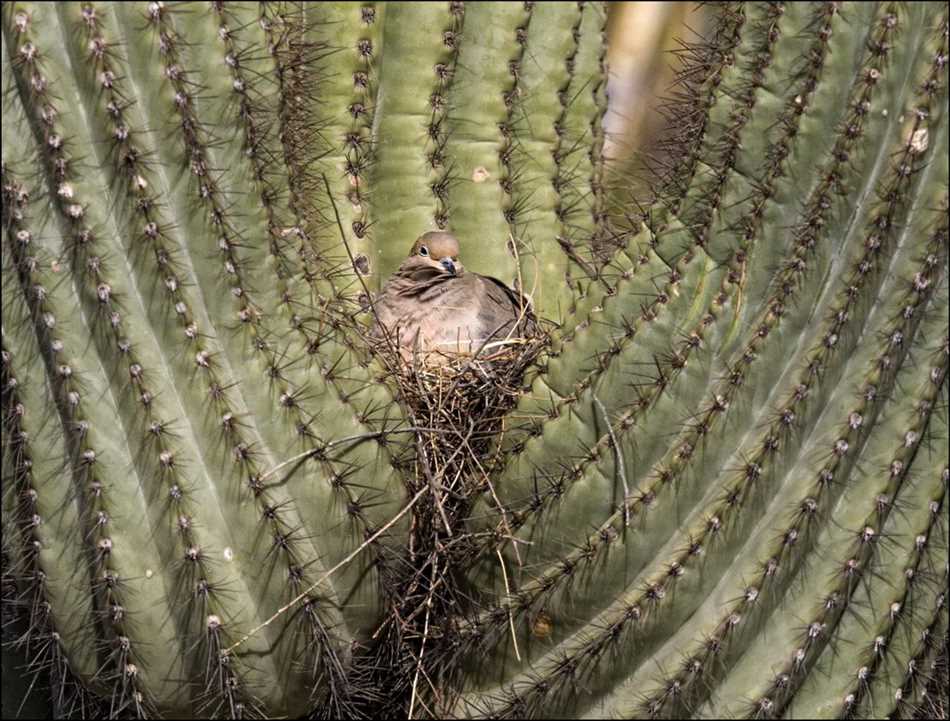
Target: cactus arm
column 250, row 542
column 88, row 448
column 103, row 286
column 303, row 400
column 542, row 75
column 334, row 67
column 930, row 259
column 45, row 559
column 910, row 548
column 577, row 348
column 869, row 490
column 819, row 98
column 277, row 538
column 878, row 127
column 482, row 98
column 579, row 152
column 52, row 561
column 404, row 126
column 866, row 505
column 604, row 627
column 604, row 461
column 241, row 539
column 646, row 609
column 908, row 296
column 111, row 539
column 636, row 359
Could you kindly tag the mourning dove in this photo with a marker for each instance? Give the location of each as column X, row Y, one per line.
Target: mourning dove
column 431, row 303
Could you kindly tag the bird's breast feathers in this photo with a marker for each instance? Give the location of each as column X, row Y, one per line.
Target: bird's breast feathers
column 448, row 312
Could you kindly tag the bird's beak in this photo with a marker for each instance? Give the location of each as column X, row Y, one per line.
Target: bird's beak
column 448, row 265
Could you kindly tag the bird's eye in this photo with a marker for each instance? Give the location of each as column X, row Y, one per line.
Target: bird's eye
column 423, row 251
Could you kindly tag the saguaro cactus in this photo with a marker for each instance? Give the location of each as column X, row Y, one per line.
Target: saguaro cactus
column 722, row 488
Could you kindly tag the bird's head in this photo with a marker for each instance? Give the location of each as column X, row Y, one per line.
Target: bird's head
column 439, row 250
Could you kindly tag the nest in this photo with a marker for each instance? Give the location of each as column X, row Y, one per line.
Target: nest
column 456, row 404
column 459, row 398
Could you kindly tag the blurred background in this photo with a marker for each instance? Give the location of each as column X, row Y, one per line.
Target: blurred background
column 642, row 54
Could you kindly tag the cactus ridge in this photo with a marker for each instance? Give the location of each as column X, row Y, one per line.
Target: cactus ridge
column 780, row 561
column 90, row 261
column 329, row 56
column 535, row 128
column 109, row 319
column 739, row 92
column 793, row 268
column 39, row 516
column 797, row 101
column 686, row 111
column 478, row 134
column 579, row 151
column 567, row 570
column 921, row 670
column 106, row 555
column 300, row 45
column 875, row 614
column 695, row 668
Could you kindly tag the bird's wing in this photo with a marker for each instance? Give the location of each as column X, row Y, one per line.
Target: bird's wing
column 501, row 305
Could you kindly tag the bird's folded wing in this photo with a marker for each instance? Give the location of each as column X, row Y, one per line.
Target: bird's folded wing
column 501, row 304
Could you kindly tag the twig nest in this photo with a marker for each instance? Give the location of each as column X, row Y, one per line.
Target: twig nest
column 454, row 391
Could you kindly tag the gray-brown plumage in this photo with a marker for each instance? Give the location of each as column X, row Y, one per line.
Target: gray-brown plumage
column 431, row 303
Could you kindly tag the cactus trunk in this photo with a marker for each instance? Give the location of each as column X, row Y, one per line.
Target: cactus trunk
column 721, row 491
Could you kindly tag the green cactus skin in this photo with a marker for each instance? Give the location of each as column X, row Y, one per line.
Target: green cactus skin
column 535, row 118
column 202, row 448
column 407, row 130
column 556, row 580
column 478, row 137
column 766, row 352
column 332, row 56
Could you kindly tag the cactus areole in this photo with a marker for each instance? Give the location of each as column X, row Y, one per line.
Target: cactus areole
column 714, row 485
